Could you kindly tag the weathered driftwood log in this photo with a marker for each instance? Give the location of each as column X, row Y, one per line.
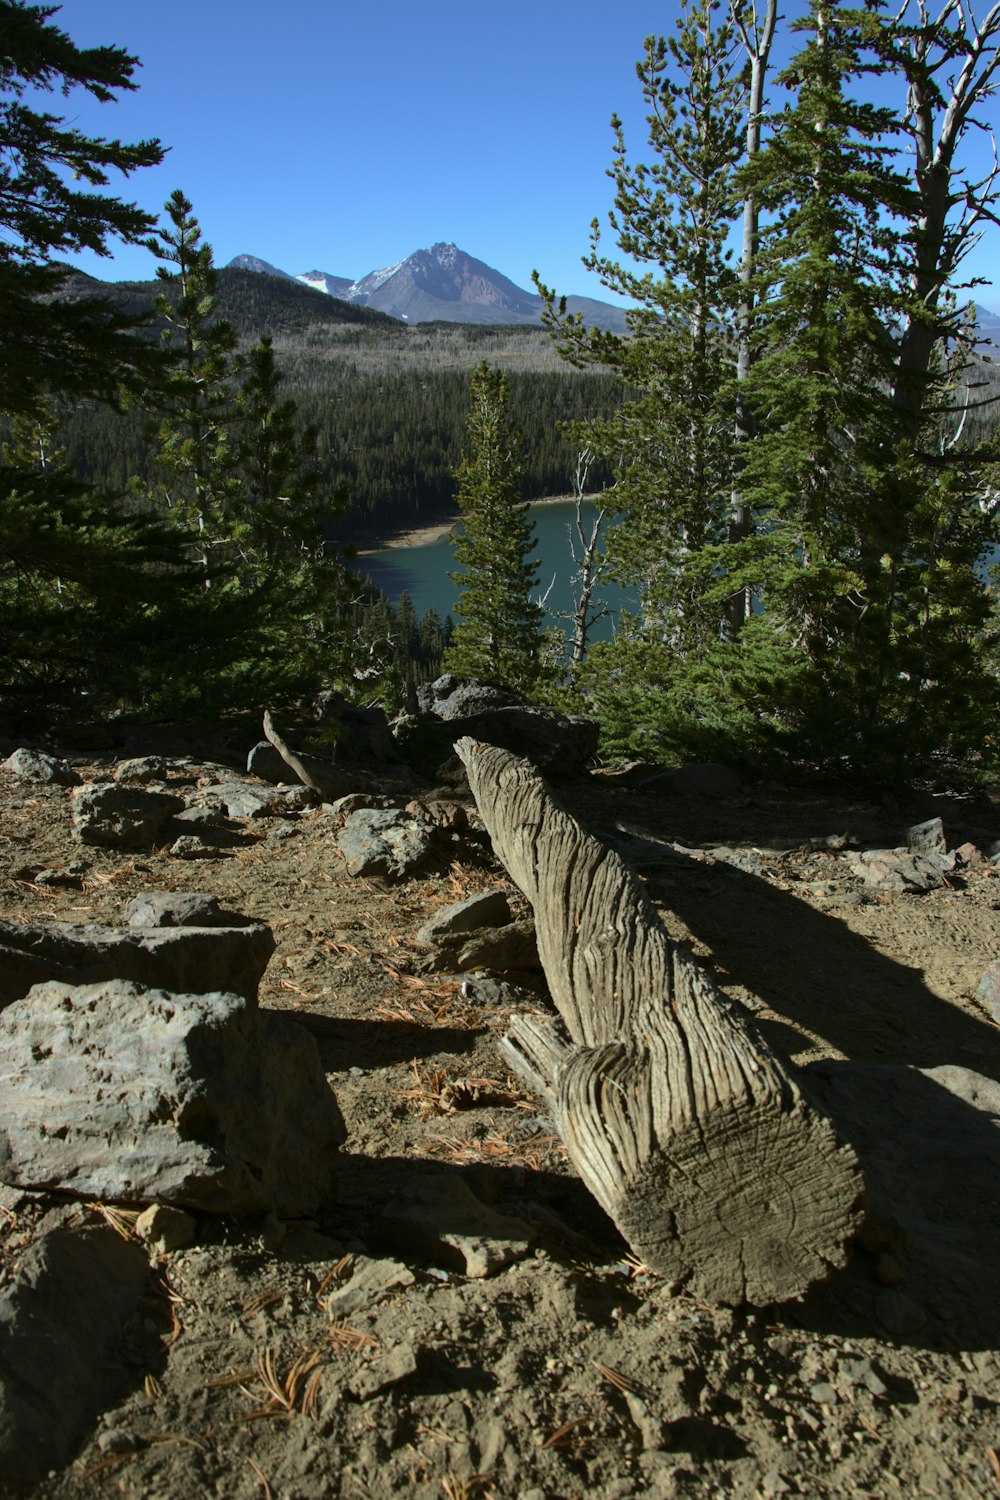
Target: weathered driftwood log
column 678, row 1117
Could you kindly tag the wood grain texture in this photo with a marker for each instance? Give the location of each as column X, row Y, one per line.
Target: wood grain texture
column 685, row 1126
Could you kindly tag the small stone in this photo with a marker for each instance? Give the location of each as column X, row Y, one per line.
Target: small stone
column 397, row 1365
column 824, row 1393
column 164, row 1228
column 118, row 1440
column 190, row 846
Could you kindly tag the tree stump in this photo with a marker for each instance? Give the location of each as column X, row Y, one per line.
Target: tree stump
column 683, row 1124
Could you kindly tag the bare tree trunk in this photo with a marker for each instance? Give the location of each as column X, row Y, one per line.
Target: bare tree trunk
column 940, row 111
column 757, row 41
column 684, row 1126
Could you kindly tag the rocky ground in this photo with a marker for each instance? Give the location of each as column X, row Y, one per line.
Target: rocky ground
column 462, row 1320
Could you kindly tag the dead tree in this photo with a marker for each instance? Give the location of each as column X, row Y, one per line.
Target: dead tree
column 682, row 1123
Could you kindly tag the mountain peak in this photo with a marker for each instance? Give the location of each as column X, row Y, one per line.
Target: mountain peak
column 442, row 284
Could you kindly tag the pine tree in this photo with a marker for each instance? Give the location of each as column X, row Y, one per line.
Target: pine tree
column 869, row 554
column 49, row 172
column 498, row 634
column 195, row 404
column 673, row 445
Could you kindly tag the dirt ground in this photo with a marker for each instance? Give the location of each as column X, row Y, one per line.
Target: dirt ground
column 348, row 1357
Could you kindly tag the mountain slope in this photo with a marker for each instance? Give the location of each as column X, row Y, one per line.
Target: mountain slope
column 446, row 285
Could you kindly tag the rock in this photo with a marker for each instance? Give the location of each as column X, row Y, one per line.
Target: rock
column 370, row 1282
column 32, row 765
column 500, row 948
column 387, row 1369
column 491, row 909
column 483, row 989
column 708, row 780
column 441, row 1218
column 926, row 838
column 60, row 1320
column 266, row 762
column 142, row 769
column 453, row 697
column 559, row 744
column 163, row 1228
column 382, row 841
column 70, row 875
column 186, row 959
column 988, row 991
column 179, row 909
column 197, row 846
column 134, row 1095
column 240, row 799
column 362, row 733
column 900, row 871
column 121, row 817
column 450, row 817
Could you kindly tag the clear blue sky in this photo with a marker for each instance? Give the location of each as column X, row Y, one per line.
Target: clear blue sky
column 342, row 137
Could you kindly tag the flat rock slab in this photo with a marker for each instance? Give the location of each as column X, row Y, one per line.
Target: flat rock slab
column 132, row 1095
column 180, row 909
column 73, row 1293
column 190, row 960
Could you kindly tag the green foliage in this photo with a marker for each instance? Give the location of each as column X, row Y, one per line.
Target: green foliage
column 498, row 634
column 864, row 521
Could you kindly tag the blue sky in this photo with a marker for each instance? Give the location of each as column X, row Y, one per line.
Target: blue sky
column 323, row 136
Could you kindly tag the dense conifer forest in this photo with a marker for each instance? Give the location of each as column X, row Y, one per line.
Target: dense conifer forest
column 388, row 402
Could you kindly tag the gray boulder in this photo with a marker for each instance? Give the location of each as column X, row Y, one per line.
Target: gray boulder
column 187, row 959
column 133, row 1095
column 60, row 1320
column 33, row 765
column 383, row 841
column 119, row 816
column 559, row 744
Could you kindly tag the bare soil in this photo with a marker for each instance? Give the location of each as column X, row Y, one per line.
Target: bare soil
column 350, row 1356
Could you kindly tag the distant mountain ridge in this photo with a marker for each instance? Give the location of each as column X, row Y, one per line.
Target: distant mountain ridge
column 441, row 285
column 447, row 285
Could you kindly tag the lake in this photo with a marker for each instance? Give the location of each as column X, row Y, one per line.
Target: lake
column 421, row 569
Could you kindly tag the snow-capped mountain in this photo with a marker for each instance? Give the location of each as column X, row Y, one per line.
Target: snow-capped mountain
column 322, row 281
column 442, row 284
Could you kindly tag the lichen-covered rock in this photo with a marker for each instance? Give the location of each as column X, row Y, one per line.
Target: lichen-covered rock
column 383, row 841
column 131, row 1095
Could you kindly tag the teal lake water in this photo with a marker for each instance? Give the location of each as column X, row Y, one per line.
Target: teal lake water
column 422, row 570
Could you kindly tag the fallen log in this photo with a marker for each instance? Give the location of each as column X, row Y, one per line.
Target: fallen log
column 683, row 1124
column 326, row 782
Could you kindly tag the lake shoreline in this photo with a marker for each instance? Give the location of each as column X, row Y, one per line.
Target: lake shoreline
column 426, row 536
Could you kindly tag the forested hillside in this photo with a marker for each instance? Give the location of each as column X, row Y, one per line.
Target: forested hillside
column 388, row 401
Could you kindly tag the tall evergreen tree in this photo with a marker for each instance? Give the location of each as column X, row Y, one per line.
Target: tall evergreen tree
column 80, row 584
column 194, row 405
column 870, row 557
column 51, row 205
column 498, row 634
